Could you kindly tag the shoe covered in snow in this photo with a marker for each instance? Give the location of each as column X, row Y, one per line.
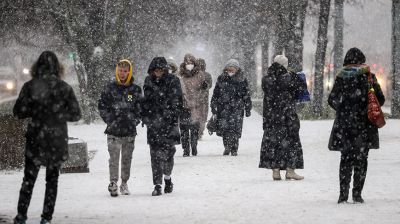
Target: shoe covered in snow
column 276, row 174
column 226, row 152
column 358, row 199
column 44, row 221
column 169, row 186
column 113, row 189
column 156, row 191
column 123, row 189
column 291, row 175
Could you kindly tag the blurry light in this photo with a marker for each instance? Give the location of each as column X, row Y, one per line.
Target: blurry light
column 331, row 66
column 259, row 68
column 374, row 66
column 25, row 71
column 381, row 70
column 170, row 57
column 10, row 85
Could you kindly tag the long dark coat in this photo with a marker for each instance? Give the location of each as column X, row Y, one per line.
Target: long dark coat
column 119, row 107
column 281, row 146
column 230, row 99
column 349, row 97
column 50, row 103
column 162, row 106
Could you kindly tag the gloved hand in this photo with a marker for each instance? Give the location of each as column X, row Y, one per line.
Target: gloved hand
column 248, row 113
column 204, row 85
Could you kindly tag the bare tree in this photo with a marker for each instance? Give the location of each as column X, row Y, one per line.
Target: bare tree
column 396, row 59
column 320, row 53
column 338, row 35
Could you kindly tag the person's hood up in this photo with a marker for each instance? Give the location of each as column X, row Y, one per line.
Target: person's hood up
column 158, row 62
column 129, row 79
column 354, row 56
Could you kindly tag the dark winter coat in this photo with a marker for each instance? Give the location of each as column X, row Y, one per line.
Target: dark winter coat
column 119, row 107
column 162, row 105
column 230, row 99
column 349, row 97
column 281, row 146
column 50, row 103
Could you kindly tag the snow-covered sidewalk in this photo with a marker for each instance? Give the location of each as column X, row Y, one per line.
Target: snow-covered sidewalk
column 212, row 188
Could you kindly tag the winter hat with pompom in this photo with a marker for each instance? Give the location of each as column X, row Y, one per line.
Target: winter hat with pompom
column 282, row 60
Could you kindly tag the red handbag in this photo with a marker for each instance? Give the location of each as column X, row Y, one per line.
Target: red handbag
column 375, row 114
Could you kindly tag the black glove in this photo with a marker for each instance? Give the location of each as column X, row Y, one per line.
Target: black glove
column 248, row 113
column 204, row 85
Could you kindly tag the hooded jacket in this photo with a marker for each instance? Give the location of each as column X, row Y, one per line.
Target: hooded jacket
column 119, row 106
column 162, row 105
column 192, row 83
column 349, row 98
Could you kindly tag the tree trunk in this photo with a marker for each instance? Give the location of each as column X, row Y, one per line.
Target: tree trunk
column 322, row 42
column 396, row 59
column 338, row 35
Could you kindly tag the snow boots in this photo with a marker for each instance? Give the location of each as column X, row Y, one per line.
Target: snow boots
column 226, row 152
column 123, row 189
column 169, row 186
column 291, row 175
column 276, row 174
column 113, row 189
column 156, row 191
column 45, row 221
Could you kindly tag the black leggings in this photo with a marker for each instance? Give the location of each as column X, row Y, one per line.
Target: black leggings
column 30, row 174
column 190, row 136
column 356, row 159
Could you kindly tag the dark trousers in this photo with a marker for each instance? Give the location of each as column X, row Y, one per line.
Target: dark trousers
column 189, row 137
column 30, row 174
column 231, row 142
column 162, row 161
column 356, row 159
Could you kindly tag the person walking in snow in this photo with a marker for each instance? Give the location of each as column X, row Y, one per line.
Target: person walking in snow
column 229, row 102
column 161, row 108
column 119, row 107
column 352, row 133
column 281, row 147
column 205, row 95
column 50, row 103
column 193, row 80
column 185, row 116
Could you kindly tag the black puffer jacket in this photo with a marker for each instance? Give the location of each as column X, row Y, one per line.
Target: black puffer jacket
column 230, row 99
column 162, row 105
column 119, row 107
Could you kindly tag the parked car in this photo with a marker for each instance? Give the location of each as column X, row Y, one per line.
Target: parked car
column 8, row 81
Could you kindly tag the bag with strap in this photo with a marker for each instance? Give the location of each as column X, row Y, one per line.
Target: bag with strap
column 375, row 114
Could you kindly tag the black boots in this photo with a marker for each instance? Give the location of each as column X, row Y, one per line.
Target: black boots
column 156, row 191
column 343, row 198
column 169, row 186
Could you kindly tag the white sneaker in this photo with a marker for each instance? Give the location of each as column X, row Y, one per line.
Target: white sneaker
column 113, row 189
column 123, row 189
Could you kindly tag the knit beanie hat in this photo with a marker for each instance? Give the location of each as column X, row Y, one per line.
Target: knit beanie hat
column 282, row 60
column 232, row 63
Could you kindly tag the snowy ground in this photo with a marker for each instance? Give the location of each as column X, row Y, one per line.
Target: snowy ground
column 212, row 188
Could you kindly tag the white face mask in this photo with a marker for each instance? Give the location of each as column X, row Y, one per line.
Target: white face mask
column 231, row 73
column 189, row 67
column 170, row 71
